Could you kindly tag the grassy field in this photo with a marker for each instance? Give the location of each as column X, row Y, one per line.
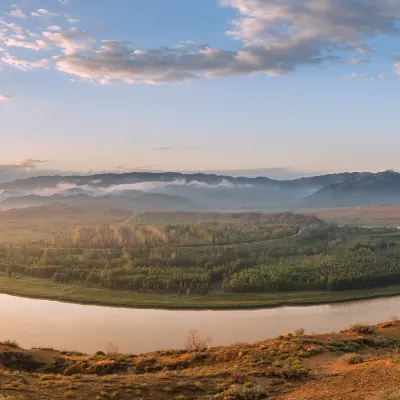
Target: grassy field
column 75, row 293
column 363, row 216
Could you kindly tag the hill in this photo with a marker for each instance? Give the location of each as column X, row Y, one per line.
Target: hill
column 135, row 201
column 140, row 192
column 365, row 189
column 152, row 191
column 361, row 363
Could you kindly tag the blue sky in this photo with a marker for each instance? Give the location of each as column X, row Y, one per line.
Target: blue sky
column 309, row 85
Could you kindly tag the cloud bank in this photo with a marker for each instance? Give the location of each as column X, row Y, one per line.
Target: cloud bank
column 274, row 37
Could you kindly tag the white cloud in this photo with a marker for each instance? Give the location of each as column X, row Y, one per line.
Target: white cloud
column 275, row 37
column 379, row 77
column 42, row 12
column 17, row 14
column 357, row 61
column 73, row 20
column 23, row 65
column 54, row 28
column 70, row 42
column 4, row 97
column 35, row 45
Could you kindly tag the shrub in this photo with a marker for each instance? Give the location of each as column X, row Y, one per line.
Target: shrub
column 112, row 350
column 10, row 343
column 392, row 321
column 351, row 358
column 19, row 361
column 238, row 392
column 193, row 341
column 299, row 332
column 363, row 328
column 108, row 395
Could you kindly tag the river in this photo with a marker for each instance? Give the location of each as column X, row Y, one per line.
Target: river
column 65, row 326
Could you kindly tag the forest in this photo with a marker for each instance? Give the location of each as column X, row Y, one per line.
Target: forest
column 326, row 257
column 188, row 234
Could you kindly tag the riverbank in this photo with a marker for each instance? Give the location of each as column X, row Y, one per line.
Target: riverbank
column 359, row 363
column 79, row 294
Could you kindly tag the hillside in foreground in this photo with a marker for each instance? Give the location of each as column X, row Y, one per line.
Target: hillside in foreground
column 361, row 363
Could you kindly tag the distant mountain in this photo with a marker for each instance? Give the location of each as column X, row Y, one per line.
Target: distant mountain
column 175, row 191
column 363, row 189
column 107, row 180
column 324, row 180
column 5, row 194
column 133, row 201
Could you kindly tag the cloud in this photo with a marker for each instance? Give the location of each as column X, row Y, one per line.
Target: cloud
column 274, row 37
column 42, row 12
column 357, row 61
column 183, row 148
column 71, row 42
column 23, row 65
column 22, row 168
column 5, row 97
column 32, row 45
column 17, row 14
column 29, row 162
column 379, row 77
column 277, row 37
column 55, row 28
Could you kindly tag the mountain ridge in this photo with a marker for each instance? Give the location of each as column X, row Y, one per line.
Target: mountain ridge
column 175, row 191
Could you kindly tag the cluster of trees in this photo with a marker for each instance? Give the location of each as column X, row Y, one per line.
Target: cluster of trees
column 201, row 234
column 346, row 272
column 216, row 233
column 330, row 258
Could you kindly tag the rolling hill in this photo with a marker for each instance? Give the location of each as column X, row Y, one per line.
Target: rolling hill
column 206, row 192
column 365, row 189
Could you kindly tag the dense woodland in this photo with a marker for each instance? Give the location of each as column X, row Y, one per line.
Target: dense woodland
column 321, row 258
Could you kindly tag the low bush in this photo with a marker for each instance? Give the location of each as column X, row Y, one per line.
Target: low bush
column 351, row 358
column 19, row 361
column 239, row 392
column 363, row 328
column 299, row 332
column 392, row 321
column 10, row 343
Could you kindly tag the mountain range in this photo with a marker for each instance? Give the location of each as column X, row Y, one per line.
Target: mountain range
column 175, row 191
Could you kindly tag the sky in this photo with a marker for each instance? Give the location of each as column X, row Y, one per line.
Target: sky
column 270, row 87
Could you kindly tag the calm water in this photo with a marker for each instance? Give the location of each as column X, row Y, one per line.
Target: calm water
column 40, row 323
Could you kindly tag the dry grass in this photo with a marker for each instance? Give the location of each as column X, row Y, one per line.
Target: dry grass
column 284, row 368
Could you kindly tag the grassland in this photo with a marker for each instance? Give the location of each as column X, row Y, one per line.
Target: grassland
column 75, row 293
column 363, row 216
column 360, row 363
